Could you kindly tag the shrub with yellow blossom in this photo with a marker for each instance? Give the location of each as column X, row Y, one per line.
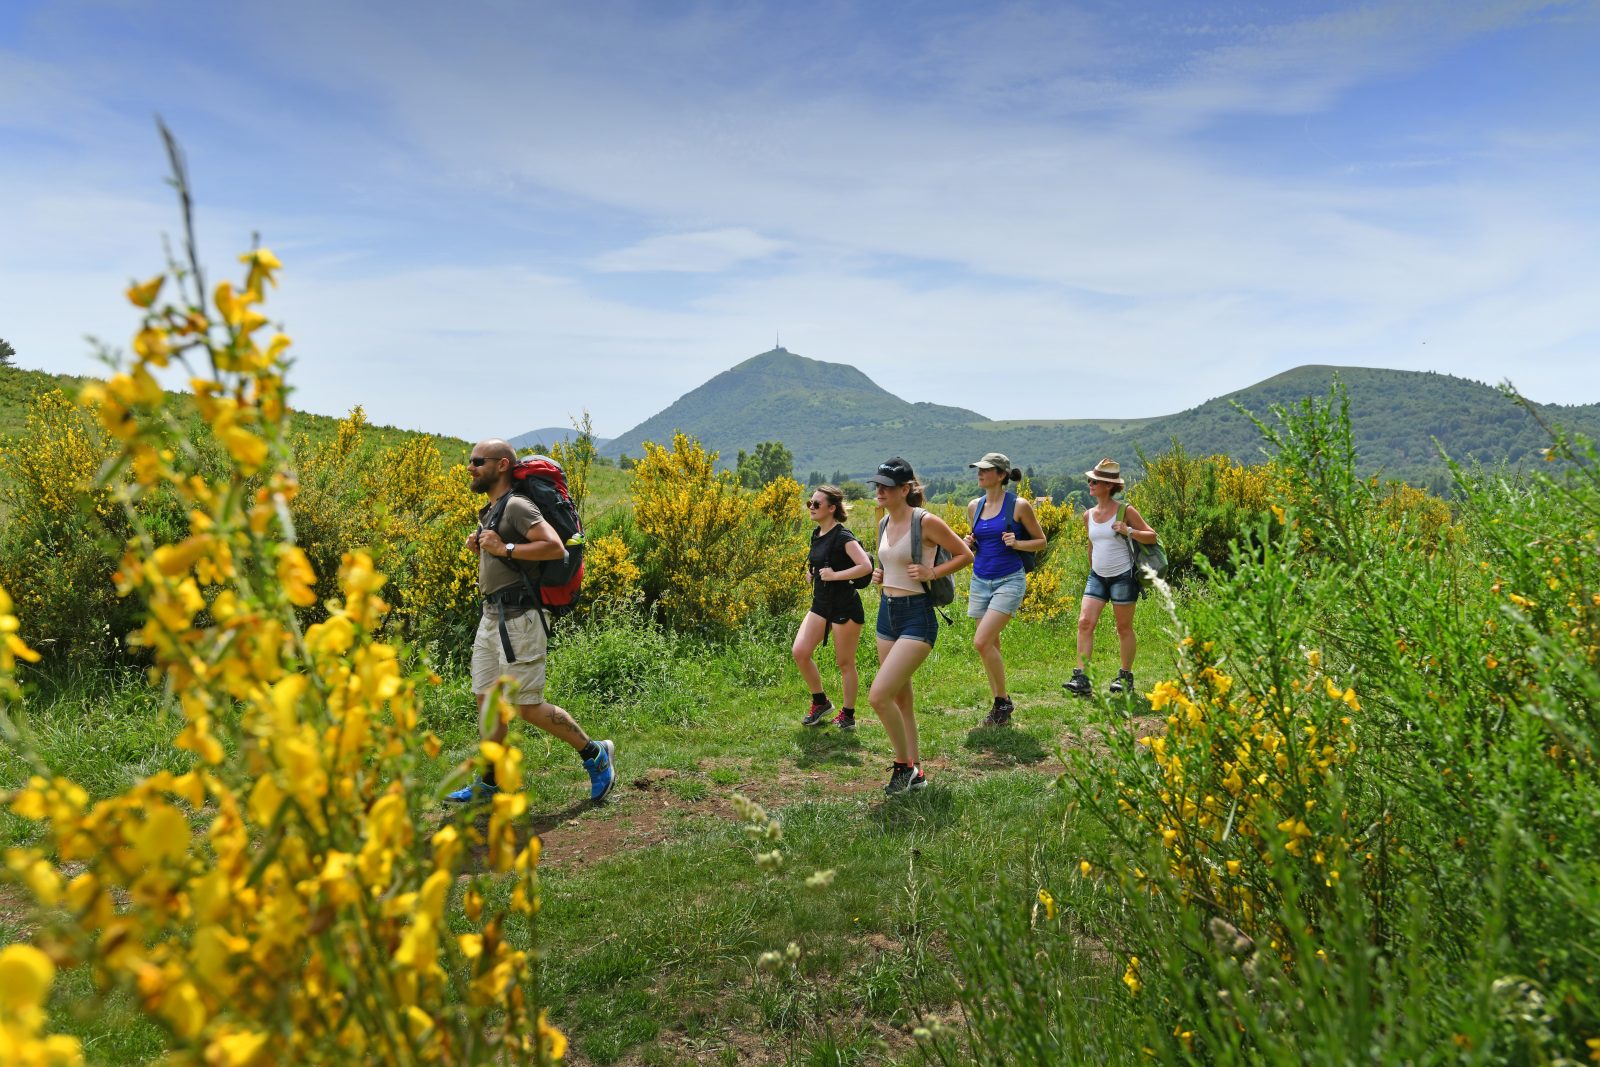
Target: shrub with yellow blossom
column 1200, row 505
column 51, row 555
column 283, row 900
column 611, row 578
column 713, row 554
column 1364, row 817
column 1055, row 586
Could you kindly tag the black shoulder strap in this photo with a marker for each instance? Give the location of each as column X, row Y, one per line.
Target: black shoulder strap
column 489, row 518
column 1011, row 512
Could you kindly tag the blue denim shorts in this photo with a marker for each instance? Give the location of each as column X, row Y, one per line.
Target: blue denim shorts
column 1123, row 589
column 996, row 594
column 907, row 616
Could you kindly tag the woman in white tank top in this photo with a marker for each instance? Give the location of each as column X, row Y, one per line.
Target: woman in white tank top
column 1111, row 576
column 907, row 625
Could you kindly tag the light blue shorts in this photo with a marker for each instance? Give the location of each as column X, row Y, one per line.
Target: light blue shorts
column 996, row 594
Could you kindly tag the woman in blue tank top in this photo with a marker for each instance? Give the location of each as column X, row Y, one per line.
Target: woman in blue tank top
column 1003, row 528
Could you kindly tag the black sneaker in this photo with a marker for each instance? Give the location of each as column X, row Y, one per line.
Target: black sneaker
column 916, row 781
column 1000, row 714
column 845, row 720
column 1078, row 684
column 899, row 777
column 817, row 713
column 1123, row 682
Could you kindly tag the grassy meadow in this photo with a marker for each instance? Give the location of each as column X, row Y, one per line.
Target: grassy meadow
column 655, row 912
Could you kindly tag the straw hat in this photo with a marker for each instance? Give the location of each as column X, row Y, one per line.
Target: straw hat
column 1107, row 470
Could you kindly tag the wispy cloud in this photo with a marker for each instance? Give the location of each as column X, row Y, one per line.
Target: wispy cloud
column 705, row 252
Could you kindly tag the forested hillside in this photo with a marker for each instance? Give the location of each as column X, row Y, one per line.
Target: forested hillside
column 836, row 420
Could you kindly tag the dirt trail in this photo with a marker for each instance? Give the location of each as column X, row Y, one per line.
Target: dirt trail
column 642, row 809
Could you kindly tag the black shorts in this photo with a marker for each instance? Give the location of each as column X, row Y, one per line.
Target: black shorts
column 839, row 610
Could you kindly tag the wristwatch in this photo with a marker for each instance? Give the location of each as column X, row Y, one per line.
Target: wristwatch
column 510, row 548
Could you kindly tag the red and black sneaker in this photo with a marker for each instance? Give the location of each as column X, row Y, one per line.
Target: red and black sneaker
column 818, row 713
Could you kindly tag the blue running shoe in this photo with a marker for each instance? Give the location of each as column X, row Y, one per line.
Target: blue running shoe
column 602, row 775
column 467, row 794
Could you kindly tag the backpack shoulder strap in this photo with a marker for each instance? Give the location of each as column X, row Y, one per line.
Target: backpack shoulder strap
column 1122, row 510
column 1009, row 510
column 489, row 518
column 916, row 534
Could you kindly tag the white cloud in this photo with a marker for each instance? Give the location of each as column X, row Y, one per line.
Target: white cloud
column 704, row 252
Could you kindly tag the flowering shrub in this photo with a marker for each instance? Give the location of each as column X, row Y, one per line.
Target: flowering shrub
column 1054, row 588
column 1201, row 505
column 1303, row 870
column 407, row 507
column 421, row 510
column 284, row 900
column 713, row 555
column 51, row 558
column 611, row 579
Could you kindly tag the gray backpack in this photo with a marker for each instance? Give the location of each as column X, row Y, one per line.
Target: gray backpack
column 941, row 591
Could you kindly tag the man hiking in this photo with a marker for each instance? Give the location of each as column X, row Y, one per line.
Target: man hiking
column 512, row 636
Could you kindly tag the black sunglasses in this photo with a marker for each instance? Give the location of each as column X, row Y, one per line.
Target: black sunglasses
column 815, row 503
column 477, row 461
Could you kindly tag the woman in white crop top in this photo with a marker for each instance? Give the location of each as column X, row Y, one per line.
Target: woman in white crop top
column 907, row 625
column 1111, row 575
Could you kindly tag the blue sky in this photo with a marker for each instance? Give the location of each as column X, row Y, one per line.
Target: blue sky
column 1033, row 210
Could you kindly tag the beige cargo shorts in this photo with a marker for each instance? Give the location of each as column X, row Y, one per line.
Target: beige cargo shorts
column 489, row 657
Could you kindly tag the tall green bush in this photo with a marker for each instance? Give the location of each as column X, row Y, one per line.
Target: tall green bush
column 1362, row 826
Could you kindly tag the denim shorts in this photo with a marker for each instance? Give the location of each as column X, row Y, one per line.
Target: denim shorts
column 907, row 616
column 1123, row 589
column 996, row 594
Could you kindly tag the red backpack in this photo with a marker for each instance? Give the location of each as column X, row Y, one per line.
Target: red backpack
column 552, row 583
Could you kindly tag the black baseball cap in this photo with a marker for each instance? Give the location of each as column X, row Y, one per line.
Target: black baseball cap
column 893, row 472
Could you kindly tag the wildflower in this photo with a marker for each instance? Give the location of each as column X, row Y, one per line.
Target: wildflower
column 554, row 1042
column 25, row 978
column 1049, row 903
column 143, row 294
column 821, row 879
column 1130, row 977
column 262, row 263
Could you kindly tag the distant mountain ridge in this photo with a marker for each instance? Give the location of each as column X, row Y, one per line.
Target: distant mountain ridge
column 547, row 436
column 815, row 404
column 836, row 419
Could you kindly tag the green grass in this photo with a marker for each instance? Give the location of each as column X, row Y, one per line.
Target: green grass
column 654, row 910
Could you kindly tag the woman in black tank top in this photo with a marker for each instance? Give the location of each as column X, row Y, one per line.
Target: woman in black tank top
column 836, row 558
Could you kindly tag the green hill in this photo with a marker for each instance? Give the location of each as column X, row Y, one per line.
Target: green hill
column 834, row 418
column 19, row 389
column 829, row 414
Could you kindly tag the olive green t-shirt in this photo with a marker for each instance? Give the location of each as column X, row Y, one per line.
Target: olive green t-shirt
column 520, row 517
